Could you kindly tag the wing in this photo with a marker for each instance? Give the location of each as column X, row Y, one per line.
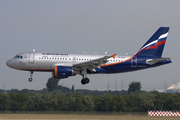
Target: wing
column 90, row 65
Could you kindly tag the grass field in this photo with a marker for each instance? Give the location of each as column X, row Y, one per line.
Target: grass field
column 80, row 117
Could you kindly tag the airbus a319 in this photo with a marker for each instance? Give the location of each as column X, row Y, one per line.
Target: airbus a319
column 64, row 65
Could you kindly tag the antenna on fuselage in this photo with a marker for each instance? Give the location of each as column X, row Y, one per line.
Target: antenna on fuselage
column 106, row 52
column 34, row 50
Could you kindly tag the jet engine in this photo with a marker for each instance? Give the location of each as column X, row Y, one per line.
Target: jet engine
column 64, row 72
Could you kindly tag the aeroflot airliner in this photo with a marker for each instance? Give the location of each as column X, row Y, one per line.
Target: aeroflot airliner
column 64, row 65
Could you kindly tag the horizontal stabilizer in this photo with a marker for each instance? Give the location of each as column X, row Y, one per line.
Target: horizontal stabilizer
column 151, row 61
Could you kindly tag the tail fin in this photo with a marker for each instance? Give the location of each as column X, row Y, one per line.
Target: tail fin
column 155, row 45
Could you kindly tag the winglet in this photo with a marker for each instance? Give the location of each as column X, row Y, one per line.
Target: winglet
column 113, row 56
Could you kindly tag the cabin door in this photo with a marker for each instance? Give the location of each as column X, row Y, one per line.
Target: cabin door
column 134, row 62
column 31, row 57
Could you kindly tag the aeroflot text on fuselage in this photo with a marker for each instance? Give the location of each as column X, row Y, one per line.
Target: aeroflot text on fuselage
column 149, row 55
column 54, row 54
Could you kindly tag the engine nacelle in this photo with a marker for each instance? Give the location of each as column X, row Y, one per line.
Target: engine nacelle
column 64, row 72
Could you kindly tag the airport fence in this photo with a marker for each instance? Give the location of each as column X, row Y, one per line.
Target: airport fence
column 76, row 112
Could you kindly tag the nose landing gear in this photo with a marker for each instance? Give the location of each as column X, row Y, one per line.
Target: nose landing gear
column 30, row 79
column 31, row 74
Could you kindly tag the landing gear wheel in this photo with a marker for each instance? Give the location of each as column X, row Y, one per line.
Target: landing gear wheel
column 85, row 81
column 30, row 79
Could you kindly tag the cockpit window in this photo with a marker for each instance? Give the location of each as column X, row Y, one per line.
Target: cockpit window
column 18, row 56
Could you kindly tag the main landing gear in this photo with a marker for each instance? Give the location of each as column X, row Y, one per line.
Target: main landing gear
column 85, row 80
column 31, row 74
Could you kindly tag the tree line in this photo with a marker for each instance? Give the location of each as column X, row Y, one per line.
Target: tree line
column 77, row 102
column 59, row 98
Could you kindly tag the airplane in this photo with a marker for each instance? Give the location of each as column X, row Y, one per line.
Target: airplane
column 64, row 65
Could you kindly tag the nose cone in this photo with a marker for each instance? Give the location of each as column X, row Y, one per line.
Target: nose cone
column 10, row 63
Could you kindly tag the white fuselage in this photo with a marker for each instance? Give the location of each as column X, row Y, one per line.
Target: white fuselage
column 40, row 61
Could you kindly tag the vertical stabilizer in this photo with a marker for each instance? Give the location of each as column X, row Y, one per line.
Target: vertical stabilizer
column 155, row 45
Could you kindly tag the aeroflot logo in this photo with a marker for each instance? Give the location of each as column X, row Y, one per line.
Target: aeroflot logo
column 54, row 54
